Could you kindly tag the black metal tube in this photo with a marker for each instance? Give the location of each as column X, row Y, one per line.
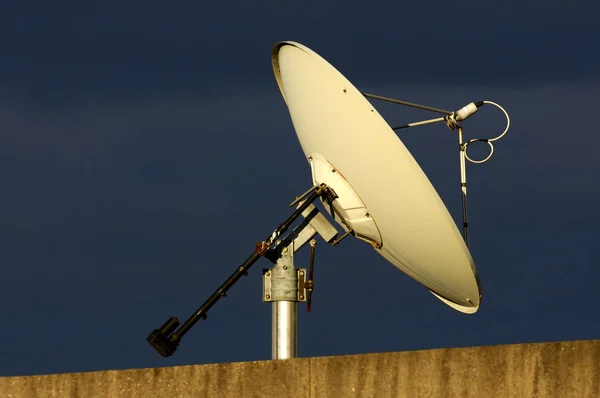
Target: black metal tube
column 395, row 101
column 166, row 344
column 220, row 292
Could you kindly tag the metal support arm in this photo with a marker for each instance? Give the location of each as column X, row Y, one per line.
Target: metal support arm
column 166, row 340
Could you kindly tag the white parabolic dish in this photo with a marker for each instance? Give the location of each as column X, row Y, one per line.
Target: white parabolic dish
column 338, row 126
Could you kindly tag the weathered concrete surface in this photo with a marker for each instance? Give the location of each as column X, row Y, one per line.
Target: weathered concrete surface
column 245, row 379
column 565, row 369
column 562, row 369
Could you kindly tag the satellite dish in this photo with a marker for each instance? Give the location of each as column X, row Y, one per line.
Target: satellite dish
column 369, row 184
column 384, row 196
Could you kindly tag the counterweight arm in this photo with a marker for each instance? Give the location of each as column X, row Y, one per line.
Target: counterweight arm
column 166, row 339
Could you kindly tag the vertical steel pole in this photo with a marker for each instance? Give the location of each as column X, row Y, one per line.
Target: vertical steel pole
column 284, row 300
column 284, row 331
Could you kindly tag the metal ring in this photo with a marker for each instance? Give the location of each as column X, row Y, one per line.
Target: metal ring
column 466, row 145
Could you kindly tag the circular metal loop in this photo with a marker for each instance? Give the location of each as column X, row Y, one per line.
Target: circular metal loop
column 505, row 115
column 479, row 161
column 487, row 140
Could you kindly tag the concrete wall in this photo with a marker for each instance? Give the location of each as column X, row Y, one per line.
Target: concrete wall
column 562, row 369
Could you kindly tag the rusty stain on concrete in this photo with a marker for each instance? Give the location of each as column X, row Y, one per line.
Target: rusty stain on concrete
column 558, row 369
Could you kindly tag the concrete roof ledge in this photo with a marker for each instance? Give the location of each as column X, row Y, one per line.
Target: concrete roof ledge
column 557, row 369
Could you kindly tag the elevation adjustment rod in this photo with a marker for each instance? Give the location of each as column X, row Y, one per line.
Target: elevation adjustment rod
column 310, row 283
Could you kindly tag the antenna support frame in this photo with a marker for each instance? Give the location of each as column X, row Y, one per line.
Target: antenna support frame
column 165, row 340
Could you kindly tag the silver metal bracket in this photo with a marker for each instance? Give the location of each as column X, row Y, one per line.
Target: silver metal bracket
column 283, row 282
column 302, row 284
column 268, row 296
column 318, row 224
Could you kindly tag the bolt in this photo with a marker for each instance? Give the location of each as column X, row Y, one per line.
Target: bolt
column 301, row 273
column 344, row 90
column 267, row 296
column 284, row 267
column 267, row 273
column 285, row 249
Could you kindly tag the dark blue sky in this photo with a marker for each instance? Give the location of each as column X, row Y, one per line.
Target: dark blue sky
column 144, row 148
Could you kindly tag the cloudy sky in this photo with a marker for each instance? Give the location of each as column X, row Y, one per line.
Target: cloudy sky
column 145, row 147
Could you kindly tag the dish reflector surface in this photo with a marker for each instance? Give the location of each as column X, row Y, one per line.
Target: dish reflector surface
column 335, row 123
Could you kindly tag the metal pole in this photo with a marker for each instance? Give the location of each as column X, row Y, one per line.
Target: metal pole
column 463, row 185
column 421, row 123
column 281, row 289
column 284, row 329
